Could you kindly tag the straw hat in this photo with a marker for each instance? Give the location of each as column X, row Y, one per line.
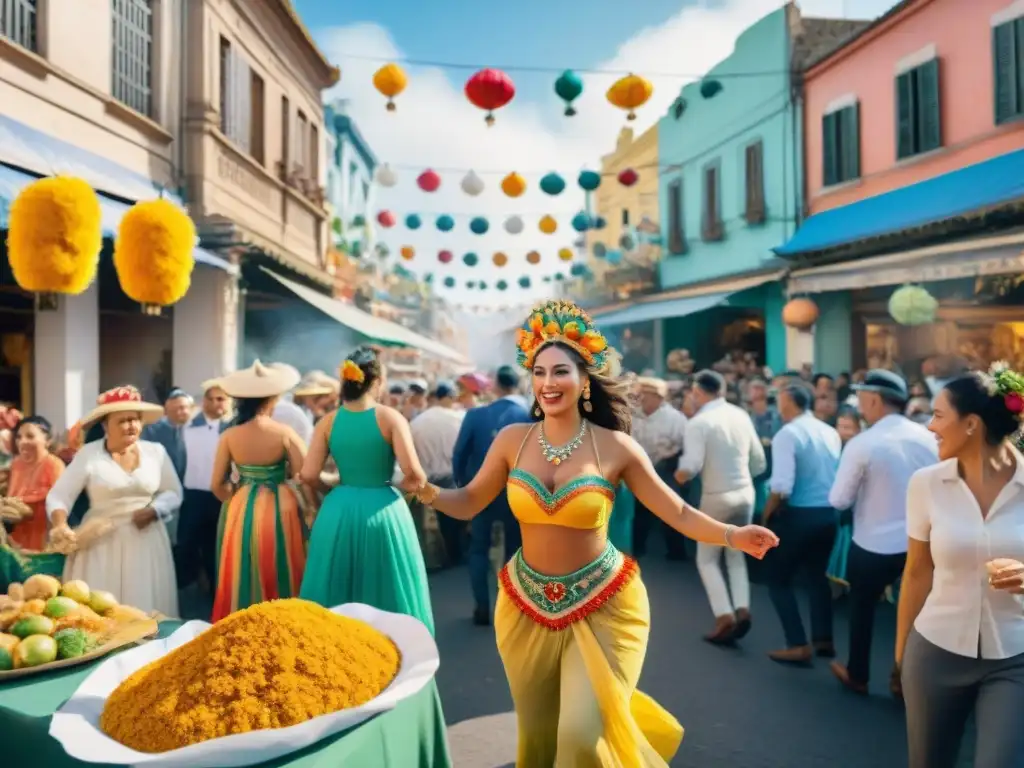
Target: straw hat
column 211, row 384
column 316, row 383
column 259, row 380
column 122, row 400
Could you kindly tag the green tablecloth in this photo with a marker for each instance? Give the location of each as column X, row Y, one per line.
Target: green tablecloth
column 410, row 736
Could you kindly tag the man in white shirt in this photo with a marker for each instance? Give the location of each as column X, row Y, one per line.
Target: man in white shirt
column 659, row 429
column 873, row 476
column 434, row 433
column 724, row 449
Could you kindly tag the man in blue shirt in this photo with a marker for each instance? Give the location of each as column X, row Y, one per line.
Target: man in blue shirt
column 476, row 435
column 805, row 458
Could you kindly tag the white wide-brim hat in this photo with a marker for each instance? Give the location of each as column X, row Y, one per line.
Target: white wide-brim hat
column 317, row 383
column 259, row 380
column 122, row 400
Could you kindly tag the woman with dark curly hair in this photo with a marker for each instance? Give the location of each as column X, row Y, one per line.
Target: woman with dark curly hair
column 572, row 617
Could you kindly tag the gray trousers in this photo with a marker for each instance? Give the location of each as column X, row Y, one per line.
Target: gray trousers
column 942, row 689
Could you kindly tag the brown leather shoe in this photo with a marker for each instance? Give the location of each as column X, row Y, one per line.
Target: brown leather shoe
column 724, row 631
column 825, row 650
column 798, row 655
column 843, row 676
column 743, row 623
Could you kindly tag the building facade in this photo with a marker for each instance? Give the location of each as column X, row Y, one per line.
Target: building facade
column 914, row 146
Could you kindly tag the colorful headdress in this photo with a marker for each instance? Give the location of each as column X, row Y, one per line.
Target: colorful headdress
column 564, row 322
column 1009, row 384
column 352, row 372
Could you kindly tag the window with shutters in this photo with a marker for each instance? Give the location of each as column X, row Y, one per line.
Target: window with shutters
column 301, row 151
column 711, row 221
column 241, row 102
column 753, row 174
column 840, row 145
column 286, row 138
column 132, row 65
column 258, row 119
column 314, row 151
column 676, row 228
column 1008, row 61
column 918, row 110
column 18, row 22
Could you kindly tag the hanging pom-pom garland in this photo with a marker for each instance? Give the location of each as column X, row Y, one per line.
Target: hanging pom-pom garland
column 153, row 253
column 472, row 184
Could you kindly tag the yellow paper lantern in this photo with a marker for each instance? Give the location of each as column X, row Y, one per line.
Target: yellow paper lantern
column 565, row 254
column 390, row 80
column 801, row 313
column 513, row 185
column 407, row 252
column 533, row 257
column 55, row 236
column 500, row 259
column 153, row 253
column 548, row 225
column 629, row 93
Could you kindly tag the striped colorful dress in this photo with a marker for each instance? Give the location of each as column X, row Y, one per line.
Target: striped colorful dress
column 261, row 542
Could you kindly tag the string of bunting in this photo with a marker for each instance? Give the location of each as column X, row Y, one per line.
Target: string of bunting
column 513, row 184
column 525, row 282
column 498, row 259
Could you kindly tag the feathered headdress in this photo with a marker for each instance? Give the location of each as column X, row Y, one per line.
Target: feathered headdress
column 564, row 322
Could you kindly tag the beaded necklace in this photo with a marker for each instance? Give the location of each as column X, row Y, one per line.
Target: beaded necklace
column 557, row 454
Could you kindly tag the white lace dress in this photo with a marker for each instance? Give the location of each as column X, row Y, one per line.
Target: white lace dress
column 136, row 566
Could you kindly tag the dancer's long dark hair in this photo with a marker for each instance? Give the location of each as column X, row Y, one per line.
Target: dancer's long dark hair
column 608, row 395
column 247, row 408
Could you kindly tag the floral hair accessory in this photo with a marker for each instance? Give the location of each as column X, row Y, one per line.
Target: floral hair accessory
column 561, row 321
column 352, row 372
column 1009, row 384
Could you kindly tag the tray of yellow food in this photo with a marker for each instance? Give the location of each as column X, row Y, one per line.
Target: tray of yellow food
column 261, row 683
column 46, row 625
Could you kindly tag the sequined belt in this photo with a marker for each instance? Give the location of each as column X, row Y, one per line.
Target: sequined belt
column 556, row 602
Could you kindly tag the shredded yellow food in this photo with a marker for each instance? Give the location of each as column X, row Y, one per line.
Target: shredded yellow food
column 273, row 665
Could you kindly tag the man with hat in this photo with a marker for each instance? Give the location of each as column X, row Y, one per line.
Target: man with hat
column 168, row 430
column 416, row 401
column 317, row 394
column 874, row 472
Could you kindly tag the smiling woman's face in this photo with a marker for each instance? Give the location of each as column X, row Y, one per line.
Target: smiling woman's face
column 557, row 382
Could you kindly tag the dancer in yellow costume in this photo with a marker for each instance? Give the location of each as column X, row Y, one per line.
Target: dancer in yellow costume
column 572, row 617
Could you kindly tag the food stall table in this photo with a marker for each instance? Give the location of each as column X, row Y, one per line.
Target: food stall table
column 410, row 736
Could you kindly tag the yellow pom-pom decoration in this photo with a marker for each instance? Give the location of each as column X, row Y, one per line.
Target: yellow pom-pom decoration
column 55, row 236
column 153, row 252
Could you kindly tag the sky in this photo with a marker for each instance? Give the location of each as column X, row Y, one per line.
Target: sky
column 441, row 44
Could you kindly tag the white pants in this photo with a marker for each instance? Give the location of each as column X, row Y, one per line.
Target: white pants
column 736, row 508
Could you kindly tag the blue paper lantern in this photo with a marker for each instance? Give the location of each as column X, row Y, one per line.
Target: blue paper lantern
column 581, row 222
column 577, row 270
column 613, row 257
column 589, row 181
column 470, row 259
column 600, row 222
column 524, row 282
column 412, row 221
column 600, row 251
column 482, row 285
column 552, row 184
column 449, row 282
column 559, row 277
column 471, row 284
column 501, row 285
column 479, row 226
column 445, row 223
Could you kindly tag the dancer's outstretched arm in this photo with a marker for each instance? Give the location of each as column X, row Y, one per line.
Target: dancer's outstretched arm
column 651, row 491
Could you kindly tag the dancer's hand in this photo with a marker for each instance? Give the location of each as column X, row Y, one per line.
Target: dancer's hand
column 755, row 540
column 411, row 485
column 1006, row 574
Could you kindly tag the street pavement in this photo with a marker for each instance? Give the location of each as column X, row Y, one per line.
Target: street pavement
column 740, row 709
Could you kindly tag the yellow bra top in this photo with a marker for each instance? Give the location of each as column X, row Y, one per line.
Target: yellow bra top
column 585, row 502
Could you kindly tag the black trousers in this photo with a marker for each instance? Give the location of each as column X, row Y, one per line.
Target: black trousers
column 644, row 519
column 869, row 573
column 806, row 537
column 197, row 538
column 452, row 530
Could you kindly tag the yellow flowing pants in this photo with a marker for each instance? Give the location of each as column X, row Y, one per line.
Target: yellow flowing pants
column 574, row 688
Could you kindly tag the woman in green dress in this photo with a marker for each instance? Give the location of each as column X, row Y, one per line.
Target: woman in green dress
column 363, row 547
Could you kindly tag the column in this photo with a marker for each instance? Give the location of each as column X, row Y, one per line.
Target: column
column 205, row 329
column 67, row 358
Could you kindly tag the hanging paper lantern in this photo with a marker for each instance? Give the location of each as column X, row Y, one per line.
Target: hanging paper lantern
column 569, row 86
column 445, row 223
column 501, row 285
column 626, row 242
column 613, row 257
column 566, row 254
column 482, row 285
column 524, row 282
column 471, row 283
column 479, row 226
column 589, row 181
column 599, row 223
column 472, row 184
column 499, row 259
column 428, row 278
column 513, row 225
column 599, row 250
column 710, row 88
column 386, row 176
column 913, row 305
column 513, row 185
column 552, row 184
column 153, row 253
column 407, row 252
column 578, row 270
column 490, row 89
column 445, row 257
column 386, row 219
column 390, row 80
column 470, row 259
column 800, row 313
column 358, row 221
column 548, row 225
column 412, row 221
column 559, row 277
column 547, row 278
column 628, row 177
column 533, row 257
column 581, row 222
column 428, row 181
column 449, row 282
column 630, row 93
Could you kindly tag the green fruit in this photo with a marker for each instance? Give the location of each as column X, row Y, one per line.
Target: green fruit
column 35, row 650
column 77, row 591
column 58, row 607
column 101, row 602
column 6, row 661
column 32, row 625
column 72, row 643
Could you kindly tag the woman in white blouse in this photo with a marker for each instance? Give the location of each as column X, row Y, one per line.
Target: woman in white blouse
column 133, row 492
column 960, row 635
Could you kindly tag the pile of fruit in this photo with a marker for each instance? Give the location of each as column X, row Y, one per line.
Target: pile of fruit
column 42, row 621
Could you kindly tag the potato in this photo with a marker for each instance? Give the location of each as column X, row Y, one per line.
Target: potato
column 16, row 592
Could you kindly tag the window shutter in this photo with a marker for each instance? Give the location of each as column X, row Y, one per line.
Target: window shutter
column 929, row 106
column 243, row 89
column 1004, row 58
column 676, row 236
column 904, row 116
column 828, row 150
column 1018, row 69
column 850, row 128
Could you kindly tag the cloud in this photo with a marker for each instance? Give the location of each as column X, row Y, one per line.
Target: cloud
column 436, row 127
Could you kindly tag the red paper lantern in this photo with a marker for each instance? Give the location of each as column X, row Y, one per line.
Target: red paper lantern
column 386, row 219
column 429, row 181
column 629, row 177
column 445, row 257
column 490, row 89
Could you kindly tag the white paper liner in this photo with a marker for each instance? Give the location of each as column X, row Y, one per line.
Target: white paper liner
column 76, row 724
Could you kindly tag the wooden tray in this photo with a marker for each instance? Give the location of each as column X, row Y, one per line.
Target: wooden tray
column 126, row 634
